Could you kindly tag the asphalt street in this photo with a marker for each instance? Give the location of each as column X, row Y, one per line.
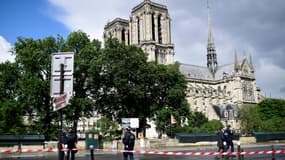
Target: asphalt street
column 85, row 155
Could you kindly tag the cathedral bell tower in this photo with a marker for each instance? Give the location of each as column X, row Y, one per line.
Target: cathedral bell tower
column 150, row 28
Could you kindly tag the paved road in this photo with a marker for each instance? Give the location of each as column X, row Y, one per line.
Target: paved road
column 118, row 156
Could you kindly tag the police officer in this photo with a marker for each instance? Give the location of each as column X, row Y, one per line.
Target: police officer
column 129, row 143
column 62, row 141
column 220, row 140
column 228, row 135
column 71, row 141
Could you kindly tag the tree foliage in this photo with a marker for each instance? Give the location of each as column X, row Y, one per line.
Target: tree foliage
column 272, row 114
column 108, row 127
column 33, row 64
column 85, row 50
column 116, row 81
column 26, row 84
column 249, row 117
column 10, row 112
column 268, row 115
column 124, row 84
column 211, row 126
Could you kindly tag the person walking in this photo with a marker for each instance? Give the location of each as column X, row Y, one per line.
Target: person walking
column 71, row 141
column 62, row 141
column 129, row 143
column 228, row 134
column 220, row 140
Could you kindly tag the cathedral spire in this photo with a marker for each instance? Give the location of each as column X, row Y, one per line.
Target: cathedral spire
column 212, row 63
column 250, row 62
column 236, row 61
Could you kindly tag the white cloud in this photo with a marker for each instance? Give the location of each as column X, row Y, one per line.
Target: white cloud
column 90, row 16
column 5, row 47
column 271, row 78
column 234, row 27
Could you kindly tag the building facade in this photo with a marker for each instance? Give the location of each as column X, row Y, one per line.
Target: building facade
column 149, row 28
column 216, row 90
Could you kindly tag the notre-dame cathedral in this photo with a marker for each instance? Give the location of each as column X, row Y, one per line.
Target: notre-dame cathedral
column 214, row 89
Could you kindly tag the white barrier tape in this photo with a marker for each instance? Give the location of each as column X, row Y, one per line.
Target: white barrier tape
column 27, row 150
column 151, row 152
column 198, row 153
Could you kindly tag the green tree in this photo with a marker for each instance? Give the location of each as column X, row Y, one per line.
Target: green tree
column 272, row 113
column 107, row 127
column 196, row 119
column 10, row 112
column 163, row 121
column 85, row 50
column 250, row 118
column 33, row 85
column 124, row 84
column 211, row 126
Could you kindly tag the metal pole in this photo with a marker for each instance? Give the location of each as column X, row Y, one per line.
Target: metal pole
column 242, row 156
column 238, row 148
column 273, row 153
column 61, row 91
column 92, row 152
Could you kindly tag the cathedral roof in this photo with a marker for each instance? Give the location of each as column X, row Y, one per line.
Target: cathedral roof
column 203, row 73
column 150, row 3
column 117, row 20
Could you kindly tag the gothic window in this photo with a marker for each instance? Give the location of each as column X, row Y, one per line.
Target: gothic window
column 219, row 90
column 229, row 93
column 197, row 91
column 153, row 27
column 159, row 29
column 123, row 35
column 128, row 38
column 225, row 90
column 235, row 114
column 156, row 55
column 247, row 91
column 163, row 58
column 105, row 36
column 138, row 24
column 226, row 114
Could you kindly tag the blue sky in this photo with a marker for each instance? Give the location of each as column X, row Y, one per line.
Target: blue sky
column 28, row 18
column 252, row 27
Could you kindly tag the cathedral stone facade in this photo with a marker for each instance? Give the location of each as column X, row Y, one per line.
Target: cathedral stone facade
column 216, row 90
column 148, row 28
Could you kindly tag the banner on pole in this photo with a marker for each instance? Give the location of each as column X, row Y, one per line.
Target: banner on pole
column 172, row 119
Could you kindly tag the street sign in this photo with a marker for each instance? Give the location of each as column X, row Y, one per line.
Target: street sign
column 62, row 78
column 130, row 122
column 60, row 102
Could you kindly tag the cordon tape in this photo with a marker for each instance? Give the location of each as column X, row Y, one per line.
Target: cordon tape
column 152, row 152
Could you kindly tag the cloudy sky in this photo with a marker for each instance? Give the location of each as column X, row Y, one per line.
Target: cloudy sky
column 252, row 27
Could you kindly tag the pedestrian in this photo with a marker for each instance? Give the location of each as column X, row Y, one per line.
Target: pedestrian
column 61, row 143
column 71, row 141
column 220, row 140
column 129, row 143
column 228, row 134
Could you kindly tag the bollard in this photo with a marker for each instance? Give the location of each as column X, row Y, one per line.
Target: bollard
column 91, row 152
column 242, row 156
column 273, row 153
column 238, row 148
column 65, row 150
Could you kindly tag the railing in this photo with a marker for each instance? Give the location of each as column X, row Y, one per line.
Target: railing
column 198, row 137
column 268, row 136
column 9, row 140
